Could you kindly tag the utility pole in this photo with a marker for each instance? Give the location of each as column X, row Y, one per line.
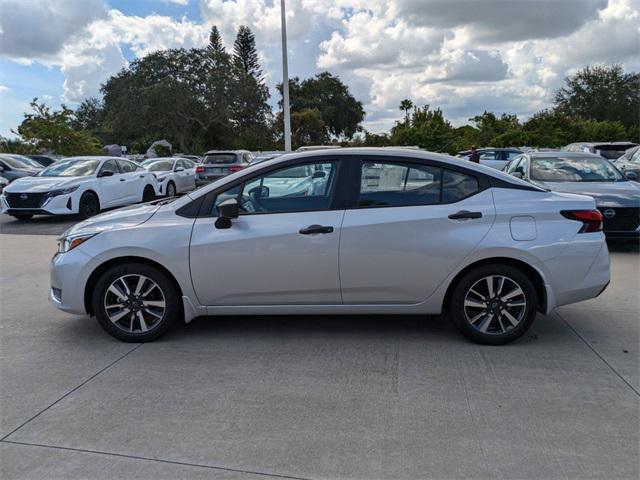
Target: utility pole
column 285, row 81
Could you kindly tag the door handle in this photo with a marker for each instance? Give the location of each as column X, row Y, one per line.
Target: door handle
column 141, row 176
column 311, row 229
column 122, row 179
column 465, row 214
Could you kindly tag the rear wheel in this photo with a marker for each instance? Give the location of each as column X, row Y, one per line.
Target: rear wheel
column 89, row 205
column 494, row 304
column 22, row 216
column 148, row 194
column 135, row 302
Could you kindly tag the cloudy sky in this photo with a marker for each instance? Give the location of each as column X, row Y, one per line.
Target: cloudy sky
column 464, row 56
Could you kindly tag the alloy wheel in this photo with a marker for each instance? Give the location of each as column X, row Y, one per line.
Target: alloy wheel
column 134, row 303
column 171, row 190
column 495, row 304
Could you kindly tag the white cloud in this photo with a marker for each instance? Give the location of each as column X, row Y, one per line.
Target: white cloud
column 37, row 29
column 4, row 88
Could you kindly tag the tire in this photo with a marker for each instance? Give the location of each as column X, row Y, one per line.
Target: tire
column 481, row 316
column 120, row 314
column 148, row 194
column 171, row 189
column 89, row 205
column 22, row 216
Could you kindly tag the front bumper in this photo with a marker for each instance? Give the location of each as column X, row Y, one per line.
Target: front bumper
column 58, row 205
column 68, row 278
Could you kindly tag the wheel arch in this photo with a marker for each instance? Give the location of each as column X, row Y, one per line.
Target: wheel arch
column 94, row 193
column 527, row 269
column 103, row 267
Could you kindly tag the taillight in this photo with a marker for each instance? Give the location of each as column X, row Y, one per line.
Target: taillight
column 591, row 219
column 200, row 169
column 235, row 168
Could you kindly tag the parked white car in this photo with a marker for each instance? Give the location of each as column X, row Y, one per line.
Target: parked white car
column 174, row 175
column 79, row 185
column 359, row 231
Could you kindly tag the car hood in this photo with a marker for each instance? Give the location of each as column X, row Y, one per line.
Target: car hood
column 606, row 194
column 116, row 219
column 43, row 184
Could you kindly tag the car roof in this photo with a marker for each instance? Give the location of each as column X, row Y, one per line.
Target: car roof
column 213, row 152
column 593, row 144
column 563, row 154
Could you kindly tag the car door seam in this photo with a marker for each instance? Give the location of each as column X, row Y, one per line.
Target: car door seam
column 344, row 212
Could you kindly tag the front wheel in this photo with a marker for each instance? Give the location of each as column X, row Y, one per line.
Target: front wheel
column 494, row 304
column 89, row 205
column 171, row 189
column 135, row 302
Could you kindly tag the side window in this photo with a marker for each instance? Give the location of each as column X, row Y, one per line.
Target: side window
column 126, row 166
column 521, row 167
column 291, row 189
column 395, row 185
column 181, row 164
column 247, row 157
column 457, row 186
column 110, row 166
column 490, row 155
column 511, row 155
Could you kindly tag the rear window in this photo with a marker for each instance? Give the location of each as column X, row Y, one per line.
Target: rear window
column 220, row 158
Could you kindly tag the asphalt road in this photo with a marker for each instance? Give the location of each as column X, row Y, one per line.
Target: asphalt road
column 315, row 397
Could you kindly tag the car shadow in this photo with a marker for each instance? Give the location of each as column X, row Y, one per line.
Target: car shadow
column 632, row 246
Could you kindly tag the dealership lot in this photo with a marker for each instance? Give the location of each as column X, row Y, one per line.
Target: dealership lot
column 314, row 397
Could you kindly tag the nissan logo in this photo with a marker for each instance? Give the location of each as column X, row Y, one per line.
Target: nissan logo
column 609, row 213
column 23, row 196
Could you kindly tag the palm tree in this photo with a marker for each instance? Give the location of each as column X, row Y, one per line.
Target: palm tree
column 405, row 106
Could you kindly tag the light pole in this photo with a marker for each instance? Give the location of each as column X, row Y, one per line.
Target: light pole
column 285, row 81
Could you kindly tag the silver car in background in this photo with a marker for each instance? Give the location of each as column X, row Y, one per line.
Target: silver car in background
column 616, row 195
column 216, row 164
column 351, row 231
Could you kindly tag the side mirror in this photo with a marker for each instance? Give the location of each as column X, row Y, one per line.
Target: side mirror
column 179, row 169
column 106, row 173
column 319, row 174
column 631, row 175
column 518, row 175
column 259, row 192
column 226, row 211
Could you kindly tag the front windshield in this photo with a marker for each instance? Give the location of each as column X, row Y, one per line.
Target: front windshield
column 29, row 161
column 17, row 161
column 71, row 168
column 159, row 166
column 573, row 169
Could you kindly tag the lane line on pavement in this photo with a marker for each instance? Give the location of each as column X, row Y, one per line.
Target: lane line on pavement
column 70, row 392
column 173, row 462
column 597, row 353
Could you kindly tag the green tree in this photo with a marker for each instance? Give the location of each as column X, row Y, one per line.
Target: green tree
column 250, row 110
column 50, row 130
column 405, row 106
column 601, row 92
column 341, row 112
column 307, row 128
column 426, row 128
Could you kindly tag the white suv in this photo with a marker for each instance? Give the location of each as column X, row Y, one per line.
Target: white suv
column 354, row 231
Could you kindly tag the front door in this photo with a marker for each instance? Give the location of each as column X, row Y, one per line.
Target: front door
column 282, row 250
column 399, row 243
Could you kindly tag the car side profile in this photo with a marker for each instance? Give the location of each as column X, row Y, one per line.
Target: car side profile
column 174, row 175
column 79, row 185
column 349, row 231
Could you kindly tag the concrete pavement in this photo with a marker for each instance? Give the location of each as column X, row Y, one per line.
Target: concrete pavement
column 315, row 397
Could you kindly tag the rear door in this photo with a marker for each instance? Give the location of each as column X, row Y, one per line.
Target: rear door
column 184, row 175
column 398, row 242
column 113, row 189
column 134, row 180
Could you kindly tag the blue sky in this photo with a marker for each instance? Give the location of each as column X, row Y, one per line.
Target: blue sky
column 463, row 56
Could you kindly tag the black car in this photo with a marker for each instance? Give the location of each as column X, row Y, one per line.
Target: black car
column 44, row 160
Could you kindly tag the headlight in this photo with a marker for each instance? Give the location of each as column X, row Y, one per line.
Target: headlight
column 66, row 243
column 160, row 179
column 62, row 191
